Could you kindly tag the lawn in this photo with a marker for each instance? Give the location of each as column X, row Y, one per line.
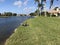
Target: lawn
column 41, row 31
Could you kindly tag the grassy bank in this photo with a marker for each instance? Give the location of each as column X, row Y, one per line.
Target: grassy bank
column 41, row 31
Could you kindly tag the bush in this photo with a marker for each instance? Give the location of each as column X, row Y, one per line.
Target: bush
column 32, row 14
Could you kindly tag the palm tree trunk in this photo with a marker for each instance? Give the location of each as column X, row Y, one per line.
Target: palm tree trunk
column 45, row 10
column 38, row 11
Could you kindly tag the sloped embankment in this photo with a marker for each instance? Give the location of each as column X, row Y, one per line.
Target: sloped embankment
column 41, row 31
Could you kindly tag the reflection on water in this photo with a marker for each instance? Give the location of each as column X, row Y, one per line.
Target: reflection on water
column 7, row 25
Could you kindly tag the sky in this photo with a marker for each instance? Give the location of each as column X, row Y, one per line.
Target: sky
column 22, row 6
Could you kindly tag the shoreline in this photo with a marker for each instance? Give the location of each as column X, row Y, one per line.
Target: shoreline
column 35, row 31
column 4, row 16
column 3, row 41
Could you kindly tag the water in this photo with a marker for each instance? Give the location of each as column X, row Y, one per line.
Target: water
column 7, row 26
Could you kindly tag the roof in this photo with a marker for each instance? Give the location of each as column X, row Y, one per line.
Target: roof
column 54, row 11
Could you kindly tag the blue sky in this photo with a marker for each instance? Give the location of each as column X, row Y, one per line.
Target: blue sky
column 21, row 6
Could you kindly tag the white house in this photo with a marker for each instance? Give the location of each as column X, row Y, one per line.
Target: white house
column 55, row 11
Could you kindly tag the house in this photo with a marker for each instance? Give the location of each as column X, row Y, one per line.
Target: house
column 54, row 12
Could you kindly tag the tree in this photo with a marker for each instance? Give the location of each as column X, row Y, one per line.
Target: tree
column 56, row 8
column 45, row 7
column 0, row 14
column 51, row 2
column 40, row 5
column 32, row 14
column 37, row 11
column 14, row 14
column 7, row 13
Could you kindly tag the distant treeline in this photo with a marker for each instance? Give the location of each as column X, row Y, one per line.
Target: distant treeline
column 8, row 14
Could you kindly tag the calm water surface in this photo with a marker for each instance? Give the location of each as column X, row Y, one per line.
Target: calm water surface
column 7, row 25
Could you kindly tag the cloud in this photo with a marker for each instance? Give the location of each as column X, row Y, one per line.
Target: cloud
column 25, row 2
column 29, row 9
column 2, row 0
column 18, row 3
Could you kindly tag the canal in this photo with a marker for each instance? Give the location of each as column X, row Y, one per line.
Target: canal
column 8, row 25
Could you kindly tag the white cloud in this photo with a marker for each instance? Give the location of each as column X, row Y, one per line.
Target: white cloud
column 26, row 9
column 18, row 3
column 25, row 2
column 29, row 9
column 2, row 0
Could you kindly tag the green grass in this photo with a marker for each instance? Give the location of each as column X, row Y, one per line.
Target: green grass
column 41, row 31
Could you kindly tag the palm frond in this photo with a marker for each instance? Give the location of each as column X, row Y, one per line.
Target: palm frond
column 36, row 0
column 51, row 2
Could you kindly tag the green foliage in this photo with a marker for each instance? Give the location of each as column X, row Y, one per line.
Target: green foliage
column 32, row 14
column 55, row 8
column 0, row 14
column 39, row 5
column 7, row 13
column 47, row 14
column 14, row 14
column 41, row 31
column 51, row 2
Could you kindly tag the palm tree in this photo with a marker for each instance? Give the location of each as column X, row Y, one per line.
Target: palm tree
column 39, row 6
column 51, row 2
column 45, row 7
